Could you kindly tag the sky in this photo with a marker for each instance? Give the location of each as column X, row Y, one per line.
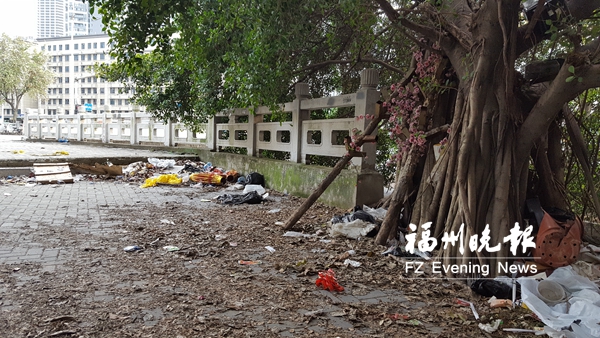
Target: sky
column 18, row 18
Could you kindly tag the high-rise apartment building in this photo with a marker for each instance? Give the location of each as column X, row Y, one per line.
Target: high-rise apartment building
column 58, row 18
column 76, row 88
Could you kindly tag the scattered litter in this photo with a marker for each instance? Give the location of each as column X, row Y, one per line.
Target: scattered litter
column 295, row 233
column 171, row 248
column 579, row 313
column 279, row 223
column 60, row 152
column 249, row 198
column 352, row 263
column 314, row 313
column 492, row 288
column 208, row 178
column 357, row 214
column 16, row 269
column 171, row 179
column 325, row 241
column 491, row 327
column 154, row 241
column 496, row 303
column 18, row 151
column 469, row 304
column 318, row 250
column 161, row 163
column 551, row 292
column 414, row 322
column 270, row 249
column 166, row 221
column 378, row 214
column 220, row 237
column 52, row 172
column 233, row 244
column 537, row 331
column 249, row 262
column 354, row 230
column 327, row 281
column 254, row 187
column 397, row 316
column 7, row 194
column 235, row 187
column 132, row 248
column 273, row 211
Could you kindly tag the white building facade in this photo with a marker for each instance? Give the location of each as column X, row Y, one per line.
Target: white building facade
column 76, row 88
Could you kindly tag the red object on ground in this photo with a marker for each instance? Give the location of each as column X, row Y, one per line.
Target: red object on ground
column 328, row 281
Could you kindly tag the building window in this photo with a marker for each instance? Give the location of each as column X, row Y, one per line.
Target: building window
column 67, row 47
column 53, row 90
column 95, row 80
column 76, row 69
column 101, row 90
column 120, row 102
column 95, row 56
column 66, row 69
column 102, row 45
column 112, row 102
column 102, row 56
column 94, row 102
column 112, row 91
column 101, row 101
column 66, row 79
column 76, row 57
column 66, row 58
column 67, row 111
column 89, row 79
column 82, row 90
column 54, row 59
column 66, row 101
column 83, row 46
column 60, row 69
column 66, row 90
column 60, row 90
column 89, row 90
column 126, row 102
column 43, row 47
column 95, row 45
column 60, row 58
column 54, row 48
column 89, row 45
column 95, row 91
column 89, row 57
column 76, row 46
column 59, row 101
column 59, row 47
column 59, row 79
column 83, row 68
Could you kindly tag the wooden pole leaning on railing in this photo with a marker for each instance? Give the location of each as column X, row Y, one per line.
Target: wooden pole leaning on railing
column 334, row 173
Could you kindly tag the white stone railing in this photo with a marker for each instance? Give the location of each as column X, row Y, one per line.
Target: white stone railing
column 298, row 137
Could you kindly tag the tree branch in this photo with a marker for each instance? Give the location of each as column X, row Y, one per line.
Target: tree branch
column 549, row 105
column 380, row 62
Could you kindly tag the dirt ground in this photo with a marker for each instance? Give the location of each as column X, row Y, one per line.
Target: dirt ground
column 202, row 290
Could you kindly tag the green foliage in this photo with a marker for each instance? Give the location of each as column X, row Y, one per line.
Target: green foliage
column 208, row 56
column 22, row 71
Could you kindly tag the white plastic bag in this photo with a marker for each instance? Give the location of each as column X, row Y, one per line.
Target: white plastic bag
column 354, row 229
column 254, row 187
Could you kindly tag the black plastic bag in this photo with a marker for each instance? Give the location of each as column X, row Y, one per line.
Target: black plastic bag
column 251, row 197
column 490, row 287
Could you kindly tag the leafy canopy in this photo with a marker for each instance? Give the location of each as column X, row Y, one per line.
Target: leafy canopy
column 22, row 70
column 208, row 55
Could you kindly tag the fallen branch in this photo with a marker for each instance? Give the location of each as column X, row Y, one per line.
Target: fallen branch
column 63, row 332
column 332, row 175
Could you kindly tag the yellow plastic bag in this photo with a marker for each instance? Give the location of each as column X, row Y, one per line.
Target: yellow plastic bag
column 18, row 151
column 162, row 179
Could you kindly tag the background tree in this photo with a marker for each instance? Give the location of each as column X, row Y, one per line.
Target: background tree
column 22, row 71
column 468, row 77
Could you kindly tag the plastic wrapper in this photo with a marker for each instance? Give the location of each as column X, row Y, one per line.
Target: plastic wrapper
column 327, row 281
column 162, row 179
column 249, row 198
column 207, row 178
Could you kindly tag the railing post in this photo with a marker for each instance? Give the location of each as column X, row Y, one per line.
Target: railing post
column 39, row 128
column 104, row 128
column 298, row 115
column 79, row 127
column 211, row 134
column 57, row 127
column 133, row 127
column 369, row 187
